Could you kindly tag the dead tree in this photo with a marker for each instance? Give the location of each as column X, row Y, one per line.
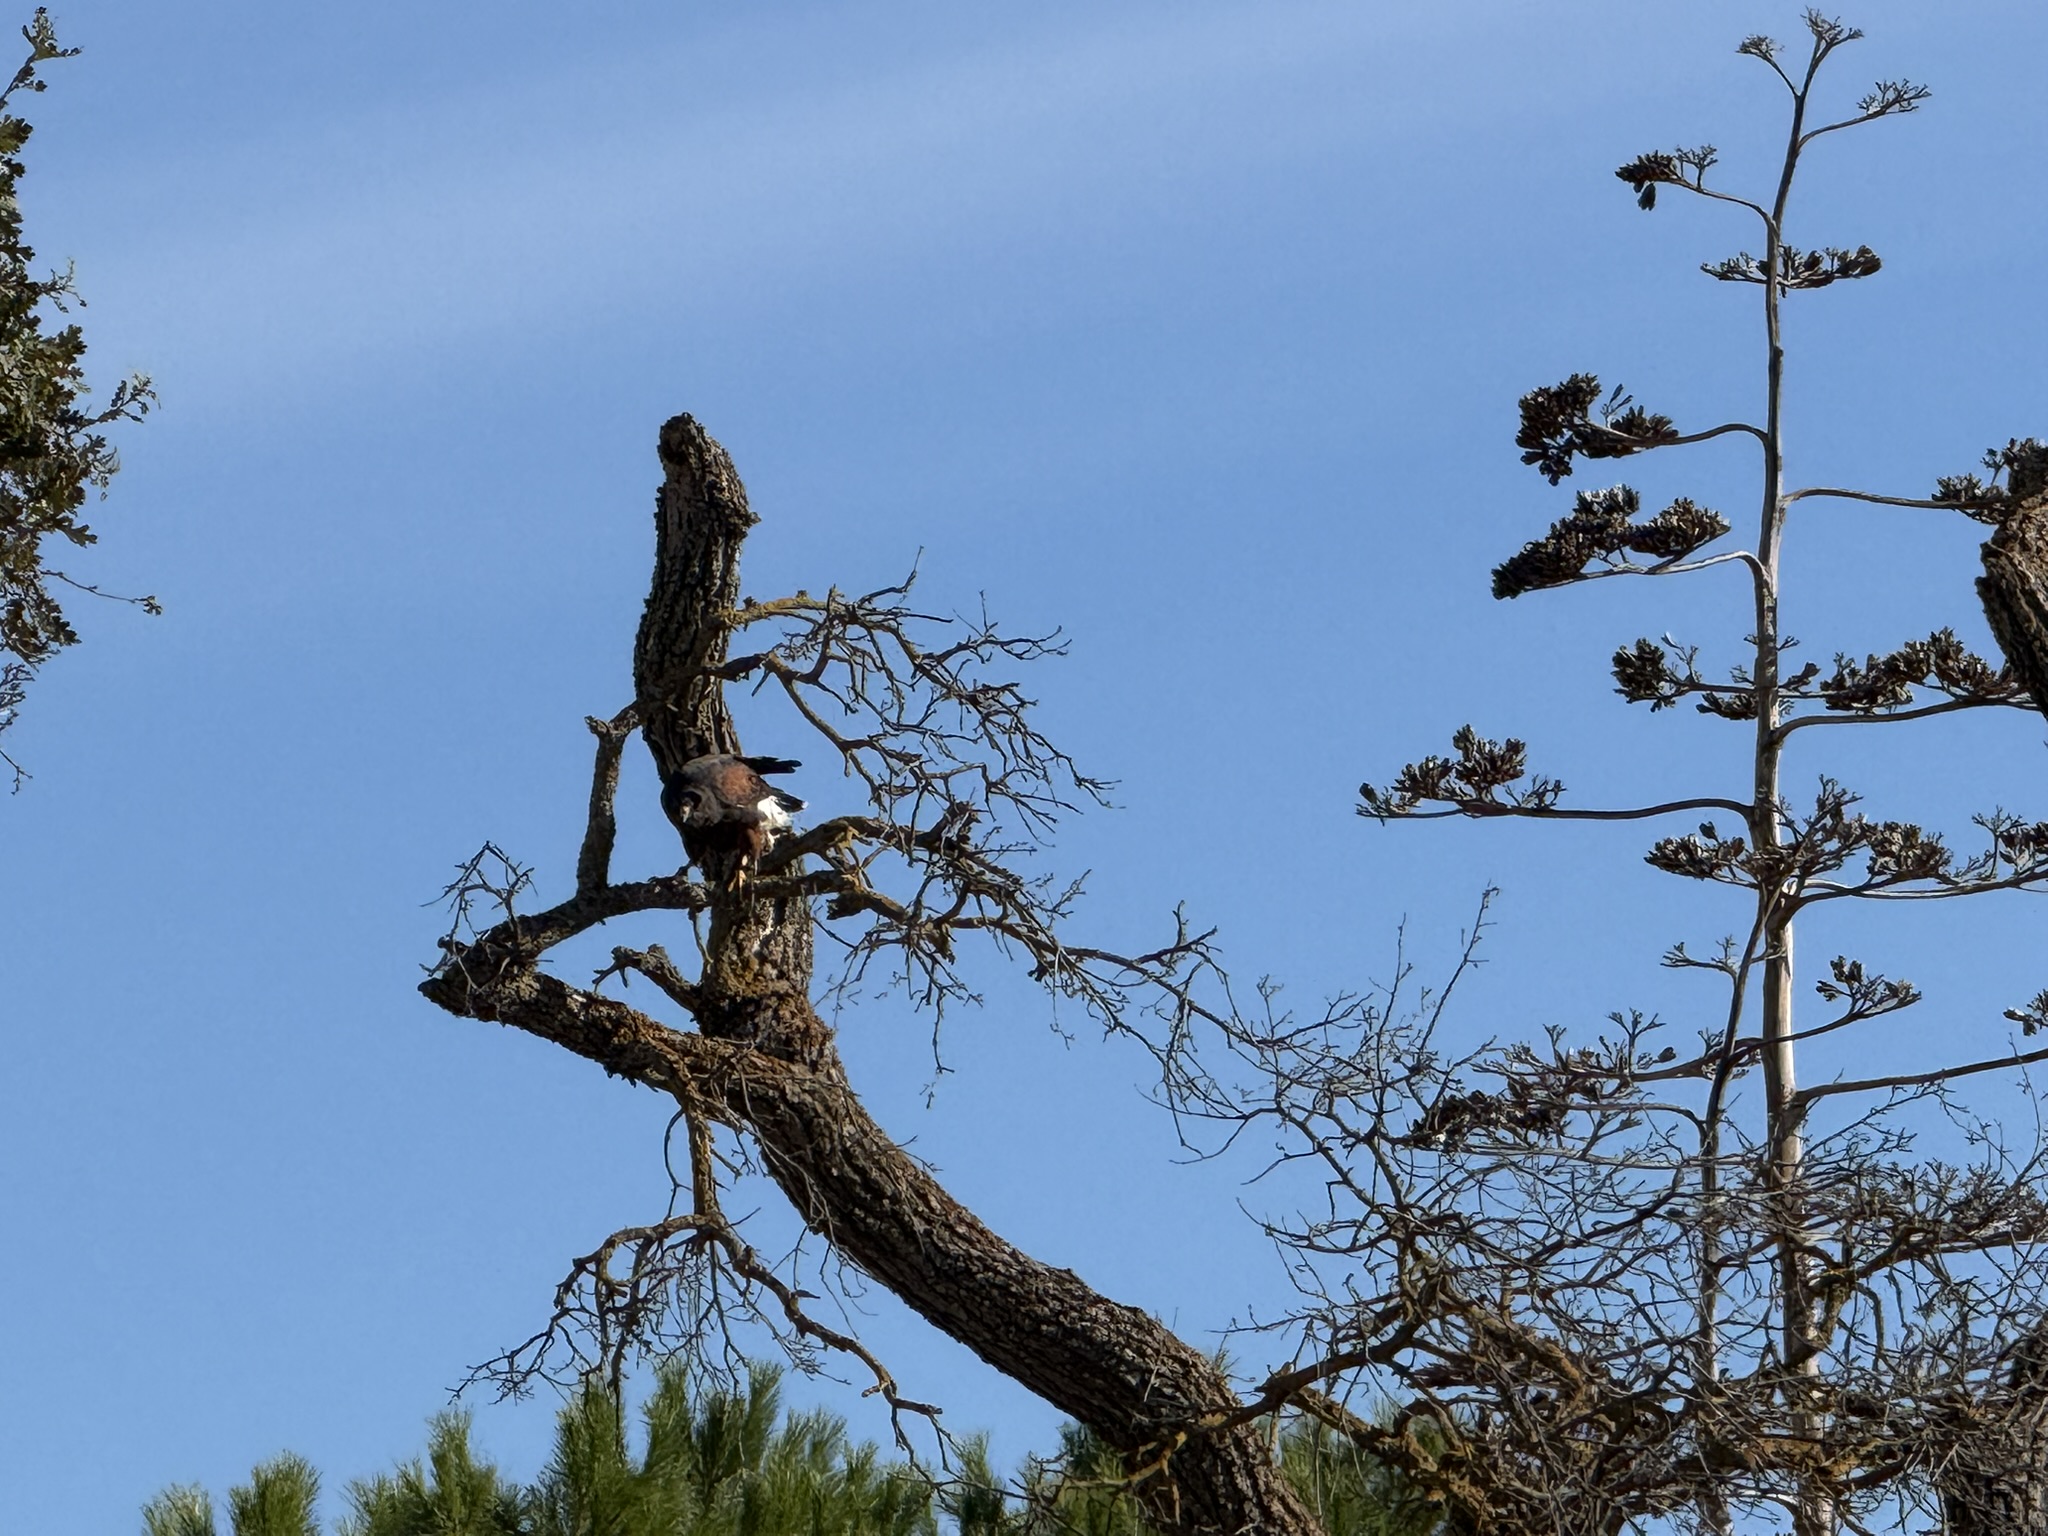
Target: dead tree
column 1650, row 1276
column 1654, row 1275
column 957, row 778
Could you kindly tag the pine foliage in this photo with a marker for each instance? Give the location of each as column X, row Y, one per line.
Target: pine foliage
column 725, row 1463
column 451, row 1493
column 184, row 1509
column 278, row 1500
column 734, row 1463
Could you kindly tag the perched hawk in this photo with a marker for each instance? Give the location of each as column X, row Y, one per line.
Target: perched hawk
column 2014, row 588
column 726, row 810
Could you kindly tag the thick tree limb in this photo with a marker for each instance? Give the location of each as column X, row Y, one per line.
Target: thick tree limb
column 700, row 521
column 763, row 1063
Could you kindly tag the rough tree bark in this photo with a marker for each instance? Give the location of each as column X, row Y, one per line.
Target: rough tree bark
column 763, row 1062
column 1993, row 1470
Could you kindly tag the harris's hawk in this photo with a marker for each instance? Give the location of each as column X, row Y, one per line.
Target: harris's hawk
column 727, row 811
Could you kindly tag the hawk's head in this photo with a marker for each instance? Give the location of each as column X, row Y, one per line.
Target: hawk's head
column 687, row 804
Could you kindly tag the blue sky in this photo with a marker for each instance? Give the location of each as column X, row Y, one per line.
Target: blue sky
column 1193, row 328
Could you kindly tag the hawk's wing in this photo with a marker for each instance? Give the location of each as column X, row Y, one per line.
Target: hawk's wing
column 735, row 783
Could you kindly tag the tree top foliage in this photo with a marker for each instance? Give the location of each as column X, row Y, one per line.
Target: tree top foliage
column 53, row 443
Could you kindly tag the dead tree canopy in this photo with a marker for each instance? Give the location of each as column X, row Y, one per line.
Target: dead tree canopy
column 1694, row 1271
column 958, row 779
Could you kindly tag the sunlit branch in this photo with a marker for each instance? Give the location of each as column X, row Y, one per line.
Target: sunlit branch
column 1778, row 70
column 1756, row 566
column 1924, row 712
column 1487, row 808
column 1839, row 494
column 1890, row 99
column 1752, row 1043
column 544, row 930
column 1676, row 567
column 1677, row 440
column 1740, row 202
column 1825, row 890
column 1919, row 1079
column 1847, row 122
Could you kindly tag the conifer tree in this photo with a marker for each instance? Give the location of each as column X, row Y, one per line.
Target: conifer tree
column 53, row 445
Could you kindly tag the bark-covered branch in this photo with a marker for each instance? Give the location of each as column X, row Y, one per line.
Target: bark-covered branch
column 942, row 749
column 594, row 862
column 1916, row 1080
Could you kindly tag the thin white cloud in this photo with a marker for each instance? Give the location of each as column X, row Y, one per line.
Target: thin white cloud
column 629, row 191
